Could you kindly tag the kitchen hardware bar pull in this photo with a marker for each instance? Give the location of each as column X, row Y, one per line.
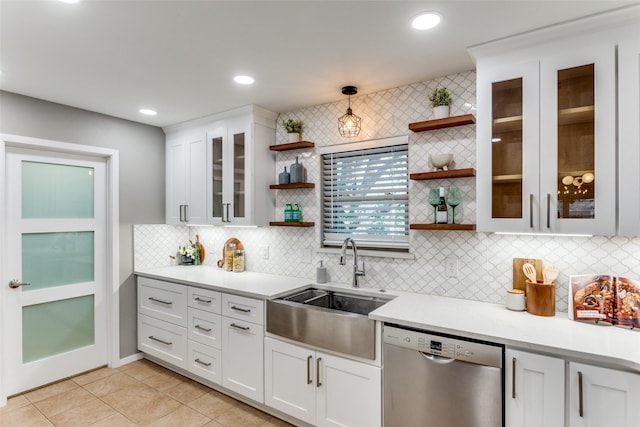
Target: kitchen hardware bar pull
column 513, row 378
column 160, row 301
column 548, row 210
column 203, row 363
column 309, row 381
column 244, row 310
column 207, row 301
column 202, row 328
column 244, row 328
column 159, row 340
column 580, row 401
column 17, row 283
column 318, row 383
column 228, row 204
column 531, row 210
column 181, row 214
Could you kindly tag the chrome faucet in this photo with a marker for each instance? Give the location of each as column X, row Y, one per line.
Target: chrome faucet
column 343, row 258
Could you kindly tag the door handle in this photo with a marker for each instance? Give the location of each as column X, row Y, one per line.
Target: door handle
column 318, row 382
column 513, row 378
column 548, row 210
column 228, row 204
column 309, row 380
column 580, row 396
column 15, row 283
column 531, row 210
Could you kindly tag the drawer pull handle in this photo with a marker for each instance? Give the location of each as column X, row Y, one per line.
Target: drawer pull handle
column 206, row 301
column 203, row 363
column 244, row 310
column 159, row 340
column 244, row 328
column 160, row 301
column 202, row 328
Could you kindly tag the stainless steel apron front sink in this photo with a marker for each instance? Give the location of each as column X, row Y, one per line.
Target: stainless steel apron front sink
column 331, row 320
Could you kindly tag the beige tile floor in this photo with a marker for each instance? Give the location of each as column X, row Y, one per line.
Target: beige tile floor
column 137, row 394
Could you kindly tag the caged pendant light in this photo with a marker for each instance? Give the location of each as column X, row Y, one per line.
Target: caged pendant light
column 349, row 124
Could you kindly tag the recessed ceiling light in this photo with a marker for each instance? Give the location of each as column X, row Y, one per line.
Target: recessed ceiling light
column 148, row 112
column 426, row 20
column 244, row 80
column 69, row 1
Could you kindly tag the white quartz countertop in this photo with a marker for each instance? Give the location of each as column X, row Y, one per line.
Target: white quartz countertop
column 247, row 283
column 557, row 335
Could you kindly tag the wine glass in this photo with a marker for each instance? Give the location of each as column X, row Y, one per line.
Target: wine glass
column 453, row 200
column 434, row 200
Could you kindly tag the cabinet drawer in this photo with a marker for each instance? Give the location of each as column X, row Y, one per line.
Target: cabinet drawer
column 163, row 340
column 243, row 308
column 205, row 299
column 163, row 300
column 205, row 361
column 205, row 327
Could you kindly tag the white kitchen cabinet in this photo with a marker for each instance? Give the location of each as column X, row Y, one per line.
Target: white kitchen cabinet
column 534, row 387
column 186, row 177
column 240, row 166
column 162, row 300
column 603, row 397
column 546, row 139
column 629, row 133
column 164, row 340
column 321, row 389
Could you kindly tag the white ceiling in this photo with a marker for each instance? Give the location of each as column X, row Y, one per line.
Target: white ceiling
column 179, row 57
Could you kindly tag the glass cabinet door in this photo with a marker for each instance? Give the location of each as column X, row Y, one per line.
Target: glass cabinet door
column 578, row 142
column 216, row 180
column 239, row 177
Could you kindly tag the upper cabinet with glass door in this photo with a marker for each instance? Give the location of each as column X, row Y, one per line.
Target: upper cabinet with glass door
column 240, row 166
column 546, row 139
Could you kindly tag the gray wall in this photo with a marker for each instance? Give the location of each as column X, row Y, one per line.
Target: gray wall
column 141, row 190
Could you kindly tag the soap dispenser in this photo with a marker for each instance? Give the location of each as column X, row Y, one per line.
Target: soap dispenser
column 321, row 273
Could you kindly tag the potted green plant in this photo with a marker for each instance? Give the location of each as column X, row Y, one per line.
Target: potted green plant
column 440, row 101
column 293, row 128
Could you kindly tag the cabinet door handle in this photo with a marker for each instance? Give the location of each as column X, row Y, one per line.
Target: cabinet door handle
column 244, row 328
column 228, row 204
column 207, row 364
column 531, row 210
column 184, row 213
column 244, row 310
column 318, row 382
column 548, row 210
column 151, row 337
column 309, row 381
column 513, row 378
column 202, row 328
column 206, row 301
column 160, row 301
column 580, row 400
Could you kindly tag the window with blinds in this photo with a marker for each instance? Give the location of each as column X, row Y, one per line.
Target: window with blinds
column 365, row 195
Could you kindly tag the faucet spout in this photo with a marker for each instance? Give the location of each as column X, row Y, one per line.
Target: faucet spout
column 357, row 273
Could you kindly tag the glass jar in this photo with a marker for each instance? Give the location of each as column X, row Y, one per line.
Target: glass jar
column 238, row 261
column 229, row 253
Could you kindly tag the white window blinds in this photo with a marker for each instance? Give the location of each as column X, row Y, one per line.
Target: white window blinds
column 365, row 195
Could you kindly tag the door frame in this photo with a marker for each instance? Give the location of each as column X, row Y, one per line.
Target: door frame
column 111, row 158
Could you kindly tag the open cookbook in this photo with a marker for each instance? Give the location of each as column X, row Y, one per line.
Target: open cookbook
column 605, row 299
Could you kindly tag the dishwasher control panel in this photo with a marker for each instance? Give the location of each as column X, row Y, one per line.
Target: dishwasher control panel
column 444, row 346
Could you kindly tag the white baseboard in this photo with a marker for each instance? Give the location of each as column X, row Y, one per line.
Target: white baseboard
column 130, row 359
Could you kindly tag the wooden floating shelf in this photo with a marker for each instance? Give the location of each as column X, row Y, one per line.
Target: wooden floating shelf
column 467, row 119
column 455, row 173
column 459, row 227
column 291, row 224
column 292, row 146
column 292, row 186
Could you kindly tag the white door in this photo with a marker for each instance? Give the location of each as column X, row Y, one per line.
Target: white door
column 56, row 251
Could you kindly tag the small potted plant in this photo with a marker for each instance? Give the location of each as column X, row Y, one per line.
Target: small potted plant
column 293, row 128
column 440, row 101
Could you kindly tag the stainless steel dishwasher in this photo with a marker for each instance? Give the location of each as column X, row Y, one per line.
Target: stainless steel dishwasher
column 438, row 380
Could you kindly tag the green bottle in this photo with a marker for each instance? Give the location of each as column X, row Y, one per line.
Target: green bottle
column 296, row 213
column 288, row 213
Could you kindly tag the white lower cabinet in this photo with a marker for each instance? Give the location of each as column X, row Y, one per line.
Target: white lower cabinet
column 320, row 388
column 534, row 387
column 603, row 397
column 205, row 361
column 242, row 358
column 163, row 340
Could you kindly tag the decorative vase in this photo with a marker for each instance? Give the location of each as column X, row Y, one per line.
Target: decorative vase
column 284, row 177
column 441, row 112
column 294, row 137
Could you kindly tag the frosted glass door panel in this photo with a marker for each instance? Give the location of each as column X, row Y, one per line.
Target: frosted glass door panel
column 57, row 259
column 217, row 162
column 57, row 191
column 57, row 327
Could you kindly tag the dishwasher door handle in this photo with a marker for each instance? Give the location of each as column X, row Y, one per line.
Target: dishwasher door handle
column 437, row 359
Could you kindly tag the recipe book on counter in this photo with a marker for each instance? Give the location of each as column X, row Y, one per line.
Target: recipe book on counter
column 605, row 299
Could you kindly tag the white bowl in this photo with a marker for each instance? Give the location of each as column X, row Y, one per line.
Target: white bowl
column 439, row 161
